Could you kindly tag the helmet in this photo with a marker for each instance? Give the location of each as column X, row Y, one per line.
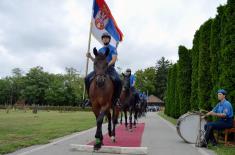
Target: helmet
column 128, row 70
column 105, row 35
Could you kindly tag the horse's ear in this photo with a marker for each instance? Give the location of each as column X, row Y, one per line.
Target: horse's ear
column 107, row 52
column 95, row 51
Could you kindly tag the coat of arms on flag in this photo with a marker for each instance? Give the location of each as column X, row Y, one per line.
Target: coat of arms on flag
column 103, row 21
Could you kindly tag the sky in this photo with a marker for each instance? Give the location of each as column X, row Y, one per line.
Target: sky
column 54, row 33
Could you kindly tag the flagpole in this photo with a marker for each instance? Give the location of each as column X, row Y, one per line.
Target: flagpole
column 87, row 60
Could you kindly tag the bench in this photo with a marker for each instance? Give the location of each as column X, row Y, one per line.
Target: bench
column 227, row 131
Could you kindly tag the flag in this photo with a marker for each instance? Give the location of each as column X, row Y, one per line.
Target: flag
column 103, row 21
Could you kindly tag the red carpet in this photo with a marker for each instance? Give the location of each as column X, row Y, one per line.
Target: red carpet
column 125, row 138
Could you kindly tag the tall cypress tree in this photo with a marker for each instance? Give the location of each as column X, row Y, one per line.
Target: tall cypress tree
column 177, row 100
column 204, row 77
column 172, row 91
column 215, row 55
column 168, row 93
column 194, row 83
column 227, row 76
column 184, row 79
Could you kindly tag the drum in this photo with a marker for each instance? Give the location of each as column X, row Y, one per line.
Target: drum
column 188, row 126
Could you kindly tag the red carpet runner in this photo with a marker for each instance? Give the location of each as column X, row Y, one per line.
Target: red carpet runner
column 125, row 138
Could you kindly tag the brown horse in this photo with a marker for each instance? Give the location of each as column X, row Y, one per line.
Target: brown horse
column 127, row 100
column 101, row 96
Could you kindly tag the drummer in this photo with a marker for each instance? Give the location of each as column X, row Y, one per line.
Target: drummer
column 224, row 111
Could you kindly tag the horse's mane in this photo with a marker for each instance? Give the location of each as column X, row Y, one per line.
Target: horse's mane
column 100, row 57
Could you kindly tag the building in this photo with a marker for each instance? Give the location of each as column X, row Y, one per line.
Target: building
column 155, row 101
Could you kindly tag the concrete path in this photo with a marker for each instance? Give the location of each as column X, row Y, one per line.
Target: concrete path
column 159, row 136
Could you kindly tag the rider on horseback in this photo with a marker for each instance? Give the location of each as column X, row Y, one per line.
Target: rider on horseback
column 111, row 59
column 132, row 84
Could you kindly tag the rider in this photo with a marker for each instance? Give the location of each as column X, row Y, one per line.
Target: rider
column 111, row 59
column 145, row 97
column 132, row 84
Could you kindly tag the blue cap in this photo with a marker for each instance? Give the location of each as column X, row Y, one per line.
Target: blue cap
column 222, row 91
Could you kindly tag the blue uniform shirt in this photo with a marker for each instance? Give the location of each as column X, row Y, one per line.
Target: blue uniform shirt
column 224, row 107
column 132, row 80
column 112, row 52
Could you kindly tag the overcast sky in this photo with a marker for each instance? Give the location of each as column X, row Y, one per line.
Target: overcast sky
column 54, row 33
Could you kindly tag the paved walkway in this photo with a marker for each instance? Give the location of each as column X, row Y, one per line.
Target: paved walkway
column 159, row 136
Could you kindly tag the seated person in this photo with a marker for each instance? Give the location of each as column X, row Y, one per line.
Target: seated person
column 224, row 111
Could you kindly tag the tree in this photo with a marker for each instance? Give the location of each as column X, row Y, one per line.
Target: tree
column 145, row 80
column 227, row 74
column 162, row 67
column 17, row 84
column 215, row 55
column 37, row 82
column 177, row 85
column 194, row 83
column 184, row 78
column 173, row 81
column 204, row 77
column 5, row 91
column 168, row 94
column 55, row 94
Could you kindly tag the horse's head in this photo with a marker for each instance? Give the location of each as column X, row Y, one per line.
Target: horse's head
column 100, row 67
column 126, row 82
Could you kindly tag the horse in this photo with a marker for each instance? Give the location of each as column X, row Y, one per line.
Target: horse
column 101, row 93
column 127, row 102
column 142, row 107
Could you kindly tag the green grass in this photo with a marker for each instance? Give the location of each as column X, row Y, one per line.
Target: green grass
column 220, row 149
column 223, row 150
column 170, row 119
column 19, row 129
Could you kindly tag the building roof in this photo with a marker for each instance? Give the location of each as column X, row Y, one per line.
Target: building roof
column 154, row 99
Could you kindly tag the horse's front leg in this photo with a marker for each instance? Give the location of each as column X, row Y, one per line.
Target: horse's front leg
column 114, row 118
column 130, row 119
column 121, row 118
column 125, row 115
column 135, row 118
column 109, row 123
column 99, row 135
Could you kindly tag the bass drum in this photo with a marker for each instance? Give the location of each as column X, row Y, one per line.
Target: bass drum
column 188, row 126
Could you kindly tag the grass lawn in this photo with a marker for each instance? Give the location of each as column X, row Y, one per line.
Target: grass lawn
column 170, row 119
column 19, row 129
column 220, row 149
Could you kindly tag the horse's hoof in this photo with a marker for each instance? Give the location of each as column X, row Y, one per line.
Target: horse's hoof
column 113, row 139
column 97, row 146
column 110, row 134
column 131, row 130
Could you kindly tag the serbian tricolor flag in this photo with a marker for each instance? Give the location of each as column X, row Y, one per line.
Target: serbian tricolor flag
column 103, row 21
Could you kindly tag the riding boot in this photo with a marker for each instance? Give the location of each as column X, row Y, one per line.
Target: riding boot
column 88, row 80
column 117, row 92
